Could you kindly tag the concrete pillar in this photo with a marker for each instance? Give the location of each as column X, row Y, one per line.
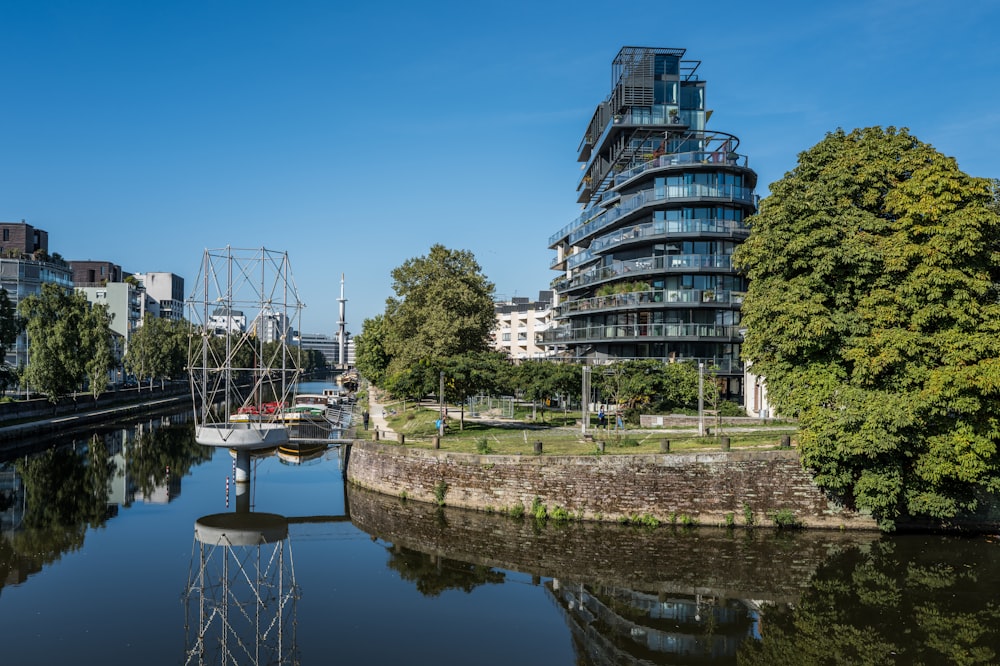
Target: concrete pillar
column 437, row 441
column 600, row 447
column 725, row 443
column 538, row 448
column 664, row 446
column 786, row 441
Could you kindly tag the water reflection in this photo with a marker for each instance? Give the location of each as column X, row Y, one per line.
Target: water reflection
column 241, row 591
column 48, row 500
column 640, row 596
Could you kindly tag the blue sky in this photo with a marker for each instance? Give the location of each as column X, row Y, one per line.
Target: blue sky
column 357, row 135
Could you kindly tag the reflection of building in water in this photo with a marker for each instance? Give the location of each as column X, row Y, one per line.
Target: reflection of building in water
column 11, row 498
column 124, row 490
column 241, row 591
column 614, row 625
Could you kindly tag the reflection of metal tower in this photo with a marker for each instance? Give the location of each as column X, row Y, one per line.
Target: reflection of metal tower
column 342, row 327
column 241, row 591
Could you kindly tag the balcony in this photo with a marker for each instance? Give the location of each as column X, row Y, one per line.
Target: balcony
column 661, row 229
column 646, row 266
column 653, row 297
column 643, row 332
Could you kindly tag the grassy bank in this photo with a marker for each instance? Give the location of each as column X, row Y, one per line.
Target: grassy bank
column 561, row 435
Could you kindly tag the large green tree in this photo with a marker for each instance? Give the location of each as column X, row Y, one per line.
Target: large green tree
column 370, row 356
column 98, row 338
column 11, row 326
column 443, row 307
column 59, row 345
column 158, row 349
column 873, row 313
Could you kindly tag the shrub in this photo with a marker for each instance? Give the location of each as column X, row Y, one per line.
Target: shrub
column 483, row 446
column 516, row 511
column 730, row 520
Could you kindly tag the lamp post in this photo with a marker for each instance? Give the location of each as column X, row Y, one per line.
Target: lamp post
column 585, row 397
column 701, row 399
column 441, row 405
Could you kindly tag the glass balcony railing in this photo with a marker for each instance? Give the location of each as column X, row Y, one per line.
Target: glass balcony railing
column 651, row 230
column 647, row 197
column 635, row 268
column 671, row 159
column 565, row 335
column 633, row 299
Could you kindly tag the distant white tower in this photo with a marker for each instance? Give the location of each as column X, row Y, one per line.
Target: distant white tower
column 342, row 327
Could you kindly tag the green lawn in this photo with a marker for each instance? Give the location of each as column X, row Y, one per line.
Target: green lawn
column 560, row 435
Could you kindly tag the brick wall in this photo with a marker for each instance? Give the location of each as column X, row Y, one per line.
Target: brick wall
column 705, row 486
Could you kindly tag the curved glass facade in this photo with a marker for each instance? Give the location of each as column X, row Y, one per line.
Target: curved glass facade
column 646, row 267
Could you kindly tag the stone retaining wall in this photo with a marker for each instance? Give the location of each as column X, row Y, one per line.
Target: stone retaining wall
column 705, row 486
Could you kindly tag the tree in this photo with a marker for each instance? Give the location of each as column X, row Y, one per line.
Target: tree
column 58, row 351
column 443, row 307
column 97, row 337
column 11, row 326
column 157, row 349
column 540, row 379
column 873, row 314
column 370, row 356
column 466, row 375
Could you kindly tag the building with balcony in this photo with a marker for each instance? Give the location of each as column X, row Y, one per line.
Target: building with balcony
column 520, row 325
column 25, row 265
column 646, row 268
column 95, row 273
column 167, row 290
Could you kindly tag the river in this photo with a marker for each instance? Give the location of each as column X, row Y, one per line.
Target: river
column 99, row 563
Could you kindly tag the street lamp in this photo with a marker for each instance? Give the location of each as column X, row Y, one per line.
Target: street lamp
column 701, row 398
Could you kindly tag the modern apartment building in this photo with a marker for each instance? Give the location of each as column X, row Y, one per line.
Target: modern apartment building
column 646, row 268
column 25, row 265
column 167, row 290
column 520, row 325
column 94, row 273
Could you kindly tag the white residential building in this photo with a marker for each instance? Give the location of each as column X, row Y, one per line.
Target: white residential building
column 520, row 324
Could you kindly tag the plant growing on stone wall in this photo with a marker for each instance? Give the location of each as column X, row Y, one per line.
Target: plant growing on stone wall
column 403, row 496
column 784, row 518
column 440, row 490
column 539, row 510
column 688, row 521
column 730, row 520
column 748, row 518
column 560, row 514
column 489, row 508
column 516, row 511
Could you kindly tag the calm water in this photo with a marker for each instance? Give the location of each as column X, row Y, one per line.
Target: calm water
column 99, row 564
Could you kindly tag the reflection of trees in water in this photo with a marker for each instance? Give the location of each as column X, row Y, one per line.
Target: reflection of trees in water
column 907, row 600
column 66, row 490
column 434, row 574
column 159, row 453
column 67, row 487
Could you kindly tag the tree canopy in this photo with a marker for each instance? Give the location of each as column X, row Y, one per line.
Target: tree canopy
column 158, row 349
column 443, row 307
column 65, row 340
column 11, row 326
column 873, row 314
